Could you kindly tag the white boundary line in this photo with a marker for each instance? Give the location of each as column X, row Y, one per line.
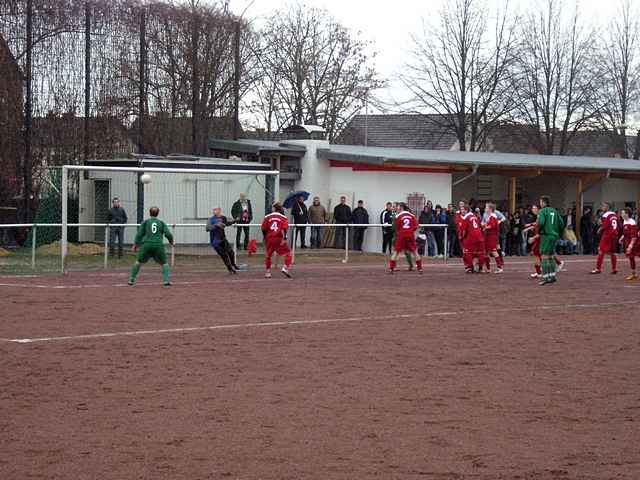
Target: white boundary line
column 234, row 326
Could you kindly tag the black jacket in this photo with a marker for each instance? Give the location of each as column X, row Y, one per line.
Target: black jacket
column 426, row 216
column 360, row 215
column 236, row 211
column 342, row 214
column 117, row 215
column 387, row 217
column 300, row 213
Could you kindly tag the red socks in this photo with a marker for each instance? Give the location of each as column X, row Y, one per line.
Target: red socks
column 287, row 261
column 632, row 263
column 614, row 263
column 599, row 261
column 538, row 269
column 419, row 264
column 392, row 264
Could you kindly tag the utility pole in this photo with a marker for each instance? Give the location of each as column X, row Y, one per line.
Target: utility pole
column 87, row 76
column 28, row 118
column 236, row 84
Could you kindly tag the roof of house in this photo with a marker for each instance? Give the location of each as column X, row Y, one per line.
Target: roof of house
column 402, row 130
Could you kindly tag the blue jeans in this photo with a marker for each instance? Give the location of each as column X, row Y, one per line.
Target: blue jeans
column 432, row 247
column 316, row 237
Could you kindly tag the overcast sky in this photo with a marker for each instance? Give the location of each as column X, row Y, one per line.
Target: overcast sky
column 390, row 23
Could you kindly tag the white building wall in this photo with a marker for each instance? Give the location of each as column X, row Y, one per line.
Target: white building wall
column 378, row 188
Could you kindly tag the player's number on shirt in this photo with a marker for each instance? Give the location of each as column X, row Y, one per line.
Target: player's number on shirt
column 475, row 223
column 154, row 228
column 614, row 224
column 553, row 217
column 406, row 223
column 274, row 226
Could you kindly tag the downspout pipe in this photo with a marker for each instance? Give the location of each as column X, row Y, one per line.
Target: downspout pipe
column 473, row 173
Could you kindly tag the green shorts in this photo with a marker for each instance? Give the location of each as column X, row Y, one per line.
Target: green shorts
column 548, row 245
column 152, row 251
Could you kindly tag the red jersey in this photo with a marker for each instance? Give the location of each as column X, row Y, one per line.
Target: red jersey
column 275, row 225
column 471, row 229
column 459, row 224
column 630, row 231
column 406, row 224
column 492, row 231
column 610, row 225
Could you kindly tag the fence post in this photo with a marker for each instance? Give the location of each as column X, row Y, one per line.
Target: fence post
column 293, row 243
column 106, row 247
column 446, row 243
column 173, row 246
column 34, row 242
column 346, row 245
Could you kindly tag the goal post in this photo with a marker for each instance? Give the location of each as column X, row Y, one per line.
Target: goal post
column 185, row 197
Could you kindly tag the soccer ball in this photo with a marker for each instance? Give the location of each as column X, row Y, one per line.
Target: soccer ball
column 145, row 178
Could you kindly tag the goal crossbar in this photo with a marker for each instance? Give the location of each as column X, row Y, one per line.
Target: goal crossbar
column 221, row 171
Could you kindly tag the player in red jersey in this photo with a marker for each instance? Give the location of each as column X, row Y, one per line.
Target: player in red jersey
column 534, row 241
column 609, row 234
column 491, row 233
column 472, row 241
column 406, row 225
column 274, row 228
column 462, row 209
column 630, row 241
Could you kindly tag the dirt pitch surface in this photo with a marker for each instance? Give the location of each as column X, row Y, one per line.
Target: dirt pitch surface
column 342, row 373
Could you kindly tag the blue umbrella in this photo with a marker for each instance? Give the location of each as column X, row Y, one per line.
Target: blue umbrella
column 292, row 197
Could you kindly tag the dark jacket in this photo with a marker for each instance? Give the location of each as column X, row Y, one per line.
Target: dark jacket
column 386, row 217
column 117, row 215
column 215, row 227
column 236, row 212
column 342, row 214
column 426, row 216
column 300, row 213
column 360, row 215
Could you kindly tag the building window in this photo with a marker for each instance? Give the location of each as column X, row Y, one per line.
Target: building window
column 416, row 201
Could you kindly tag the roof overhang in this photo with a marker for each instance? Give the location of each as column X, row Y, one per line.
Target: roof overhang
column 258, row 147
column 489, row 163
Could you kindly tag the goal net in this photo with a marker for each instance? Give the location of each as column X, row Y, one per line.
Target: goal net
column 112, row 201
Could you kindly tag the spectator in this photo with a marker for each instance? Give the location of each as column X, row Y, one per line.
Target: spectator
column 451, row 230
column 569, row 234
column 516, row 234
column 342, row 215
column 317, row 215
column 596, row 231
column 586, row 231
column 386, row 218
column 300, row 217
column 426, row 218
column 439, row 218
column 242, row 213
column 116, row 215
column 359, row 216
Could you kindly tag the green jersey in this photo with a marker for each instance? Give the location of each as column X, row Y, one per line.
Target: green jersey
column 152, row 231
column 549, row 222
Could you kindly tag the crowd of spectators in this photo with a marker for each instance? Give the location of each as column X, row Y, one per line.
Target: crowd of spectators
column 513, row 235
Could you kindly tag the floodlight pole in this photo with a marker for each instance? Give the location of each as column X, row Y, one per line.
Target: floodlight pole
column 65, row 209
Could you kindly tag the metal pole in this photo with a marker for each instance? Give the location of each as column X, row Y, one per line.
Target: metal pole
column 236, row 85
column 87, row 75
column 173, row 246
column 106, row 247
column 293, row 244
column 446, row 244
column 28, row 116
column 34, row 242
column 346, row 245
column 235, row 244
column 65, row 213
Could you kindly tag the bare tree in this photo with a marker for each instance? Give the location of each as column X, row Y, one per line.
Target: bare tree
column 313, row 71
column 461, row 68
column 619, row 93
column 555, row 85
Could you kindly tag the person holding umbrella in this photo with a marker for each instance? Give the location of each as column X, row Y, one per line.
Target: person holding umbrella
column 295, row 201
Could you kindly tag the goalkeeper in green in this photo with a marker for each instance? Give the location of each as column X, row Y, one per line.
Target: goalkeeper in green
column 149, row 243
column 550, row 227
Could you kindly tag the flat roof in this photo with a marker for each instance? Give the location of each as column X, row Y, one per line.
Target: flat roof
column 416, row 157
column 179, row 161
column 258, row 147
